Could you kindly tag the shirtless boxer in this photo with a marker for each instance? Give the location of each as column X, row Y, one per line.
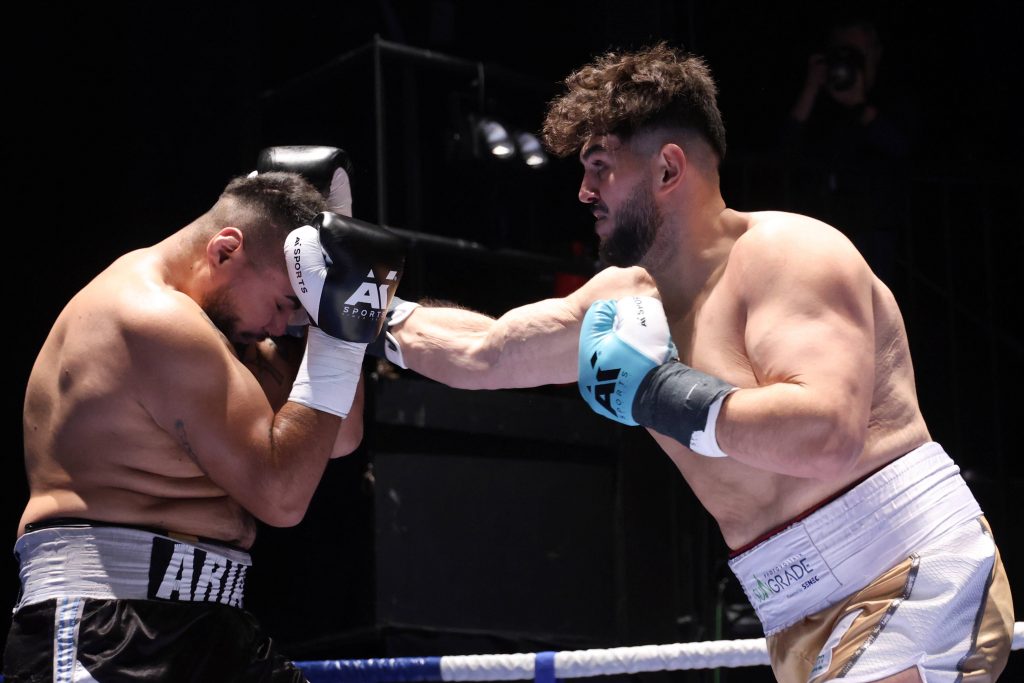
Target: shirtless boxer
column 787, row 401
column 151, row 449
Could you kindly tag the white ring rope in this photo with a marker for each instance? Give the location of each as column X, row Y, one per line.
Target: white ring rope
column 705, row 655
column 568, row 664
column 619, row 660
column 624, row 660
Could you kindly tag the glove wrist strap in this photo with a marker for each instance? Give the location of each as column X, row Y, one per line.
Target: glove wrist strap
column 386, row 345
column 678, row 401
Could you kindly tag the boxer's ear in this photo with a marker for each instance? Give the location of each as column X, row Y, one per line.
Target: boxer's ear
column 671, row 164
column 226, row 245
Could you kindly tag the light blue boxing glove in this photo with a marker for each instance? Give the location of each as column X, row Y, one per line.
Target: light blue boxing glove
column 628, row 372
column 620, row 342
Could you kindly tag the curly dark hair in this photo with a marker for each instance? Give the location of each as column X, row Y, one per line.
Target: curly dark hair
column 624, row 93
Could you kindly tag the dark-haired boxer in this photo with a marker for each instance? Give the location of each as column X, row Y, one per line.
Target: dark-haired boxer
column 275, row 360
column 787, row 402
column 151, row 450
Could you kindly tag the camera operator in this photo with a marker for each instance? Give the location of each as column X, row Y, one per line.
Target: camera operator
column 846, row 70
column 848, row 151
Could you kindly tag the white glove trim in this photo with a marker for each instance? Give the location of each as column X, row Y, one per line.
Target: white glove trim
column 400, row 310
column 705, row 442
column 307, row 266
column 339, row 198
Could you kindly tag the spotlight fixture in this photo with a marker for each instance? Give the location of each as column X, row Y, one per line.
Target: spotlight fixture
column 496, row 138
column 531, row 150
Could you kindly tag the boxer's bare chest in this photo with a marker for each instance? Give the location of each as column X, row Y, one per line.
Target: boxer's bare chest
column 709, row 336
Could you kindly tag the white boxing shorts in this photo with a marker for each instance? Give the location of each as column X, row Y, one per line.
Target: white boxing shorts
column 900, row 572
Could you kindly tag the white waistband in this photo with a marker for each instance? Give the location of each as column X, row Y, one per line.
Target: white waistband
column 843, row 546
column 118, row 563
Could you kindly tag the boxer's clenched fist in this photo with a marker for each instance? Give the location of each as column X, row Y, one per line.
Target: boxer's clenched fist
column 626, row 373
column 345, row 273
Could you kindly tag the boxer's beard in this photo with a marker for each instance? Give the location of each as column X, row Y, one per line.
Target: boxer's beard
column 220, row 309
column 636, row 224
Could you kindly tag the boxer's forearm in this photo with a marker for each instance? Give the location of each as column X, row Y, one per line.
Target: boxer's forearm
column 350, row 434
column 300, row 446
column 528, row 346
column 791, row 429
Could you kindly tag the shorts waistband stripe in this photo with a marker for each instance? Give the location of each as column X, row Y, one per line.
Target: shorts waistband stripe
column 115, row 563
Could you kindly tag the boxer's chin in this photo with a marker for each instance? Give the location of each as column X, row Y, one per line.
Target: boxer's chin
column 220, row 309
column 636, row 225
column 247, row 337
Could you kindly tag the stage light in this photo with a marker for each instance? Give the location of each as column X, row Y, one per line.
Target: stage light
column 496, row 138
column 531, row 150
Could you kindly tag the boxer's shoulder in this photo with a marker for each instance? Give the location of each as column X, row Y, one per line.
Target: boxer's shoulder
column 779, row 234
column 173, row 333
column 783, row 250
column 100, row 316
column 131, row 289
column 148, row 308
column 165, row 340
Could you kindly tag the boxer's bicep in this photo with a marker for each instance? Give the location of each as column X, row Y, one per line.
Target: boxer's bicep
column 809, row 322
column 201, row 395
column 809, row 338
column 199, row 392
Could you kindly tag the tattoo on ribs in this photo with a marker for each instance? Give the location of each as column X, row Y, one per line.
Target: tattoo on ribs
column 179, row 430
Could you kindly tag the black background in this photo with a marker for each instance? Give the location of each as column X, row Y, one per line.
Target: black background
column 124, row 124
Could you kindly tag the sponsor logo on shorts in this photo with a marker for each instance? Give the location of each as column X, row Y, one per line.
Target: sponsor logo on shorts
column 794, row 575
column 185, row 573
column 785, row 576
column 760, row 590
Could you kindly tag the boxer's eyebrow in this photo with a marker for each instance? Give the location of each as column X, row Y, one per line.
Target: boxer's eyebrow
column 590, row 151
column 296, row 304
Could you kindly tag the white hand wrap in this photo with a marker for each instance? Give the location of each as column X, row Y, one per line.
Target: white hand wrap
column 329, row 373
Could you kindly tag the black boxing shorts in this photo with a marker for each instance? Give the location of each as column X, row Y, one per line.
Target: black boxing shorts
column 109, row 603
column 84, row 639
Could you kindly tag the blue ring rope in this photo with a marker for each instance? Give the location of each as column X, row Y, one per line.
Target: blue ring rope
column 398, row 669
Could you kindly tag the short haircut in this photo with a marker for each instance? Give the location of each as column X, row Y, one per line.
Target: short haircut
column 265, row 207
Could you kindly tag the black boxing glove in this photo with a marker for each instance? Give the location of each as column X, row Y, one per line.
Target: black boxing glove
column 326, row 168
column 345, row 273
